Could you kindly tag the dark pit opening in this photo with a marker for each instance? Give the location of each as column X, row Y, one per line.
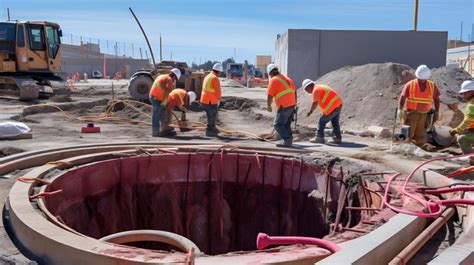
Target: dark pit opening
column 218, row 201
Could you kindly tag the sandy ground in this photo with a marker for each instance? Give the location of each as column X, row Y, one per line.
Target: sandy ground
column 54, row 129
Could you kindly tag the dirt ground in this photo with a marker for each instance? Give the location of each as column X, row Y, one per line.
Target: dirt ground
column 242, row 113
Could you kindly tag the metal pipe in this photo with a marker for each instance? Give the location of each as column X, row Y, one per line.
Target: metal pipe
column 409, row 251
column 146, row 38
column 415, row 22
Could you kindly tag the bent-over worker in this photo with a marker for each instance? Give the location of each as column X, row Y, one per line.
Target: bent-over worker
column 282, row 89
column 465, row 130
column 210, row 96
column 177, row 99
column 330, row 104
column 419, row 95
column 159, row 92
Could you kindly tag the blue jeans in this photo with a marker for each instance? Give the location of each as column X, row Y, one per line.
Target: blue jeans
column 283, row 121
column 334, row 119
column 211, row 113
column 158, row 111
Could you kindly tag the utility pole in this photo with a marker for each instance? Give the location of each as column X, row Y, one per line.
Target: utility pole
column 460, row 38
column 133, row 52
column 415, row 22
column 124, row 49
column 161, row 49
column 141, row 55
column 71, row 39
column 235, row 55
column 8, row 14
column 171, row 56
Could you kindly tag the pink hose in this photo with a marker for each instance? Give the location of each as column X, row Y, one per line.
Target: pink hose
column 263, row 240
column 435, row 207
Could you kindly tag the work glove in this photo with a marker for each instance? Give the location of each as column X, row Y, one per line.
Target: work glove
column 269, row 108
column 182, row 109
column 164, row 102
column 400, row 115
column 308, row 114
column 453, row 132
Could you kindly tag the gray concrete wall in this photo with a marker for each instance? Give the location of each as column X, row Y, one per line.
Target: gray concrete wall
column 87, row 58
column 313, row 53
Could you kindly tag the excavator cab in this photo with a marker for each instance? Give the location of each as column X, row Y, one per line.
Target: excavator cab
column 30, row 59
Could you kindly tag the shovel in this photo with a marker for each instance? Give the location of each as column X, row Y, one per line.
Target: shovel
column 182, row 123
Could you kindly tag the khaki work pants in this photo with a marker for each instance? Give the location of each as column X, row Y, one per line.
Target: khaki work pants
column 418, row 125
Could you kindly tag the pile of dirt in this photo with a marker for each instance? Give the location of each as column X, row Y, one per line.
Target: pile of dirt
column 6, row 151
column 370, row 92
column 237, row 103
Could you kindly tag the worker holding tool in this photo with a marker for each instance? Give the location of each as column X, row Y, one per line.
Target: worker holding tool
column 465, row 130
column 282, row 89
column 419, row 95
column 330, row 104
column 162, row 86
column 210, row 97
column 178, row 99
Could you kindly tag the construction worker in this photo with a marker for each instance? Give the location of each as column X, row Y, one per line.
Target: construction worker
column 177, row 99
column 465, row 130
column 330, row 104
column 419, row 94
column 210, row 97
column 159, row 92
column 282, row 89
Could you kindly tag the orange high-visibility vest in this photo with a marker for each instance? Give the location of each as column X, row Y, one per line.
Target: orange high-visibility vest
column 285, row 96
column 209, row 95
column 156, row 90
column 328, row 101
column 418, row 100
column 176, row 98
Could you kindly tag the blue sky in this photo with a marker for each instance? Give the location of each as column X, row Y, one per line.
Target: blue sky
column 209, row 29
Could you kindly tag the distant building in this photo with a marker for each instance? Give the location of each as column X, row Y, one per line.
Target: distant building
column 311, row 53
column 87, row 58
column 459, row 57
column 262, row 61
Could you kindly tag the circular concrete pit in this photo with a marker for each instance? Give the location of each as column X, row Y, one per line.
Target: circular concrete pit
column 218, row 200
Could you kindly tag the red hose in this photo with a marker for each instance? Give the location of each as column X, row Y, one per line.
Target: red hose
column 263, row 240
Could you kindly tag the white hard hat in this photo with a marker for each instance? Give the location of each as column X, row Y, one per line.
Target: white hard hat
column 218, row 67
column 423, row 72
column 306, row 83
column 467, row 86
column 176, row 72
column 191, row 97
column 271, row 66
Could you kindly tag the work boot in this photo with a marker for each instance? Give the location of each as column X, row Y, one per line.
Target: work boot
column 285, row 143
column 211, row 133
column 155, row 131
column 317, row 140
column 337, row 140
column 167, row 133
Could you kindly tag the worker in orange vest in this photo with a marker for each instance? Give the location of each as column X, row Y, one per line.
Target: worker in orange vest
column 282, row 89
column 162, row 86
column 417, row 97
column 330, row 104
column 178, row 99
column 210, row 97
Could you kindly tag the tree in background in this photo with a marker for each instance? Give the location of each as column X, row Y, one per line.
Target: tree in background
column 207, row 66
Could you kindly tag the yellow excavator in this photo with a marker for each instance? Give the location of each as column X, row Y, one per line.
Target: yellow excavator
column 30, row 59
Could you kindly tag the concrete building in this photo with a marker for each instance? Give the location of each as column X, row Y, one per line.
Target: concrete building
column 262, row 61
column 87, row 58
column 462, row 57
column 311, row 53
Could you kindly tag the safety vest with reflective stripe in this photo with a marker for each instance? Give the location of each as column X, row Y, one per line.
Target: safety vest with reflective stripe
column 420, row 100
column 209, row 94
column 286, row 97
column 156, row 90
column 329, row 100
column 468, row 121
column 177, row 98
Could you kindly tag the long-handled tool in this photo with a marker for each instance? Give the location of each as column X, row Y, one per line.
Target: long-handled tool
column 395, row 118
column 182, row 123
